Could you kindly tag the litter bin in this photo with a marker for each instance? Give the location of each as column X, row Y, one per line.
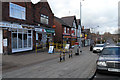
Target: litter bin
column 76, row 48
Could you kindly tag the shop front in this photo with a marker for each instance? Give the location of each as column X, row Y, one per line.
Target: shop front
column 15, row 37
column 73, row 40
column 50, row 36
column 21, row 39
column 41, row 37
column 66, row 39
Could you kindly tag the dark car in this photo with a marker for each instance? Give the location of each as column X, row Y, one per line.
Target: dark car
column 109, row 59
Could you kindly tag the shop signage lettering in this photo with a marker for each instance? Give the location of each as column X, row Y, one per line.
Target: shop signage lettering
column 50, row 31
column 3, row 24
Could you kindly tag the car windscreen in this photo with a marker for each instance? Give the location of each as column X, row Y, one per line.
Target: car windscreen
column 111, row 51
column 99, row 46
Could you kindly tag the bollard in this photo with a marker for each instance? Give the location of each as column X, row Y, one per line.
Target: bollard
column 69, row 55
column 64, row 56
column 60, row 57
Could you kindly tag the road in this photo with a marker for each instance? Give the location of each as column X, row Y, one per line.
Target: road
column 82, row 66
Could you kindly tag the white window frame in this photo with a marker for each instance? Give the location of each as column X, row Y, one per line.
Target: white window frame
column 13, row 8
column 23, row 48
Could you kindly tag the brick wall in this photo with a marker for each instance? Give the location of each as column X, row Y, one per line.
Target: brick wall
column 43, row 8
column 58, row 31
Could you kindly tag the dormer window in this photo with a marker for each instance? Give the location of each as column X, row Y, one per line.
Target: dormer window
column 17, row 11
column 44, row 19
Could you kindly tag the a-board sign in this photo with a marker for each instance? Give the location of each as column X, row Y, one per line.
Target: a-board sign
column 51, row 48
column 67, row 46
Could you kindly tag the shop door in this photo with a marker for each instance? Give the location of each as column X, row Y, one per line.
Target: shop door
column 1, row 47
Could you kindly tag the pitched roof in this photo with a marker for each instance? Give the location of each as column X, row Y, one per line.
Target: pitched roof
column 61, row 21
column 68, row 20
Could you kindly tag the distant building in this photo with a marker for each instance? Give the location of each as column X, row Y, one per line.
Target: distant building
column 66, row 29
column 72, row 22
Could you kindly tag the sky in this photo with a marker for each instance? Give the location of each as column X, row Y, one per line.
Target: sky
column 102, row 13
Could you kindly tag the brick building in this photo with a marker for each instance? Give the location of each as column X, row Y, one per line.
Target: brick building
column 24, row 25
column 66, row 29
column 62, row 31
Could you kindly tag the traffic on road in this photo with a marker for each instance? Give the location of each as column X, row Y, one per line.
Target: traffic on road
column 108, row 63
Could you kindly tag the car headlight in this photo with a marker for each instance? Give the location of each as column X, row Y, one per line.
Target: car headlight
column 101, row 63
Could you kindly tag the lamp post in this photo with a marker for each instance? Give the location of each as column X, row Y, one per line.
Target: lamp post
column 80, row 25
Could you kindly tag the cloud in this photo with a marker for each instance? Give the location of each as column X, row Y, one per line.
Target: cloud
column 103, row 13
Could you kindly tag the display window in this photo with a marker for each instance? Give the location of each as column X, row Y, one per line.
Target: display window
column 21, row 40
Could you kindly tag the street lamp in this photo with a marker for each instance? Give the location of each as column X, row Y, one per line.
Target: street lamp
column 80, row 25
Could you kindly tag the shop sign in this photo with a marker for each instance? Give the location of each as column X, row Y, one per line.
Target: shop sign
column 40, row 30
column 85, row 35
column 66, row 36
column 16, row 26
column 4, row 24
column 50, row 31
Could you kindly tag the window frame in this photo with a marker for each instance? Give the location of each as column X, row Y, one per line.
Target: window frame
column 21, row 11
column 44, row 17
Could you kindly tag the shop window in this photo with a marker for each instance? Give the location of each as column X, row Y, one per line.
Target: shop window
column 44, row 19
column 19, row 40
column 25, row 40
column 22, row 39
column 14, row 41
column 17, row 11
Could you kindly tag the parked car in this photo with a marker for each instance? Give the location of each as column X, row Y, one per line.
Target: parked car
column 109, row 59
column 118, row 43
column 98, row 48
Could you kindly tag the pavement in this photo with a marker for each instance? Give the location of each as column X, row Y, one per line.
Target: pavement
column 44, row 65
column 19, row 60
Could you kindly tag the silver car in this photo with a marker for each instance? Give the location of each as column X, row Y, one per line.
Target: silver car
column 98, row 48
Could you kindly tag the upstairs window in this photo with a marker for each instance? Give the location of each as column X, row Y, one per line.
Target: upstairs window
column 44, row 19
column 72, row 31
column 64, row 29
column 17, row 11
column 67, row 30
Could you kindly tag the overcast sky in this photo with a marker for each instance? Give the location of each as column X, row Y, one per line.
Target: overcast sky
column 102, row 13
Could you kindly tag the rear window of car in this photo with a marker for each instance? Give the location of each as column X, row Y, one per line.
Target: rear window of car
column 111, row 51
column 99, row 46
